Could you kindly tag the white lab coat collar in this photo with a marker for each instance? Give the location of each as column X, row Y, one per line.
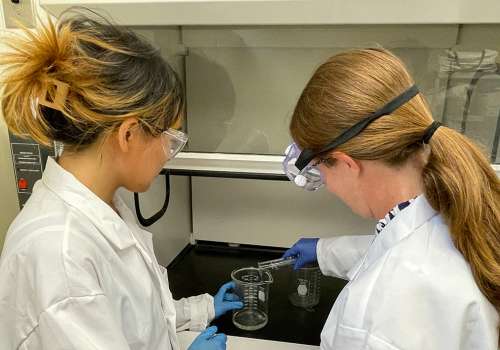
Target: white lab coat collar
column 401, row 226
column 74, row 193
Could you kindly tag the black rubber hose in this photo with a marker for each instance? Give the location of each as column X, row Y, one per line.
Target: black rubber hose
column 150, row 221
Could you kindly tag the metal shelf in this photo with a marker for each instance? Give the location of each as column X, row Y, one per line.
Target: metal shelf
column 227, row 165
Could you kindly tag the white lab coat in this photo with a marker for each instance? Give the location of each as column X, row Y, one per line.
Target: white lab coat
column 409, row 289
column 76, row 275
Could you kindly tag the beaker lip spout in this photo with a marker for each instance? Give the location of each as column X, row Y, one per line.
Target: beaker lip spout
column 266, row 277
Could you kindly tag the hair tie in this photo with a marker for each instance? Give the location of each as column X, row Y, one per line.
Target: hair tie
column 431, row 129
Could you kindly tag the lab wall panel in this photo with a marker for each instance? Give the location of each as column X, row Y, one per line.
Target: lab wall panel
column 271, row 213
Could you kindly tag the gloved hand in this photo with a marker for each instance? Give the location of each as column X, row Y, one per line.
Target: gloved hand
column 304, row 250
column 208, row 340
column 225, row 301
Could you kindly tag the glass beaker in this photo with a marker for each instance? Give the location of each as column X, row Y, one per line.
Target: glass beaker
column 252, row 286
column 305, row 286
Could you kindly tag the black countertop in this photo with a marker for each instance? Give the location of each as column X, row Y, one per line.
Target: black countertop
column 203, row 268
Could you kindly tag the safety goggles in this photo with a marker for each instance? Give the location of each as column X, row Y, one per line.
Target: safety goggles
column 300, row 166
column 309, row 177
column 173, row 141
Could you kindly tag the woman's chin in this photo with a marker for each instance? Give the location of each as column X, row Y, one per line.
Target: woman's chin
column 140, row 188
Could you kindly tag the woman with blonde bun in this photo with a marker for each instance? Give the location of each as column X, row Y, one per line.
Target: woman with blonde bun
column 429, row 276
column 76, row 270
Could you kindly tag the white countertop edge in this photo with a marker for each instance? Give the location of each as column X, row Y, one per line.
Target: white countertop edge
column 240, row 343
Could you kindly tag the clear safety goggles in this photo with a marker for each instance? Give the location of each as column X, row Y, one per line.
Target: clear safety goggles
column 309, row 178
column 173, row 141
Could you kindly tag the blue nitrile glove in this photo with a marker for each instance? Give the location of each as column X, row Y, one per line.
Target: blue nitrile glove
column 305, row 252
column 208, row 340
column 225, row 301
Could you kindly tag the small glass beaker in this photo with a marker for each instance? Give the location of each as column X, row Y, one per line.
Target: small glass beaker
column 252, row 286
column 305, row 286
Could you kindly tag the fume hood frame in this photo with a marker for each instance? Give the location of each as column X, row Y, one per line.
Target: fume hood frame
column 286, row 12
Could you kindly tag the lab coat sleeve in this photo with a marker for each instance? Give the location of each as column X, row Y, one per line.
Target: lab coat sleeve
column 193, row 313
column 84, row 322
column 338, row 255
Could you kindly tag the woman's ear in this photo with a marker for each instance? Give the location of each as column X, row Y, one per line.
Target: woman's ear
column 127, row 133
column 347, row 162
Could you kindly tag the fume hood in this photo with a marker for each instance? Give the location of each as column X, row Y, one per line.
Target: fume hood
column 244, row 64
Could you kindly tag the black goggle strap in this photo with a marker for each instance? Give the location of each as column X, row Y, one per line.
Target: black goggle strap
column 306, row 156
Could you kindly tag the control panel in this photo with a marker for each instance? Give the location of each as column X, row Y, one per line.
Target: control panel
column 29, row 160
column 17, row 12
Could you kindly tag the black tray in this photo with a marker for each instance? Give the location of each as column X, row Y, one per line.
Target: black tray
column 204, row 267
